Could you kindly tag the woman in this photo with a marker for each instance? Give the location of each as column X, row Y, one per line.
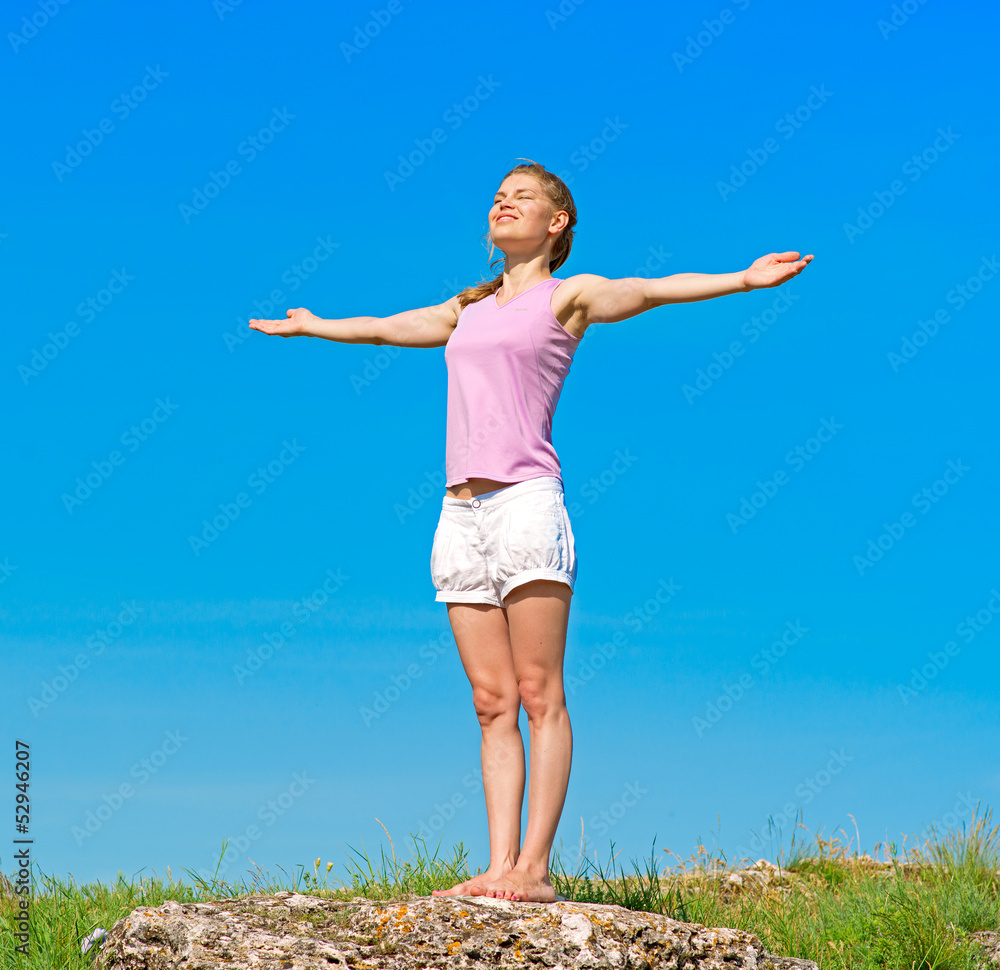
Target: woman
column 503, row 557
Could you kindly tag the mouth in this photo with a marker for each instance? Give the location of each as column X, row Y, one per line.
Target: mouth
column 505, row 217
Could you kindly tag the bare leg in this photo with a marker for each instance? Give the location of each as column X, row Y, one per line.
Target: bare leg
column 483, row 640
column 538, row 616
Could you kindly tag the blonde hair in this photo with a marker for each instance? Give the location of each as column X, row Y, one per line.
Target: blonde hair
column 559, row 196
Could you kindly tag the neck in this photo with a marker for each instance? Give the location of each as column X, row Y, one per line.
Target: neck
column 522, row 274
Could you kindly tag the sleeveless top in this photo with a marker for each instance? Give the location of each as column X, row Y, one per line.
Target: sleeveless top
column 506, row 368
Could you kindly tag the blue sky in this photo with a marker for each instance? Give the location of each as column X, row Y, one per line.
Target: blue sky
column 784, row 502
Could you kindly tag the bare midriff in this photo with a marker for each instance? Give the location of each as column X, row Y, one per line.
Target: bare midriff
column 475, row 486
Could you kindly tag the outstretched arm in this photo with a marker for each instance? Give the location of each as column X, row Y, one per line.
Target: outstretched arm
column 423, row 327
column 608, row 301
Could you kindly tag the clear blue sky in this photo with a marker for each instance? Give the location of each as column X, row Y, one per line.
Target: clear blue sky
column 169, row 168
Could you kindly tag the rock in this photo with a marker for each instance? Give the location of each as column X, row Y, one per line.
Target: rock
column 289, row 930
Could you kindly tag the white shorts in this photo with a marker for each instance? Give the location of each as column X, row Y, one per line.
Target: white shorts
column 485, row 546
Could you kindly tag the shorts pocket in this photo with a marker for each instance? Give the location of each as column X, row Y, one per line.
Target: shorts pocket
column 542, row 501
column 570, row 543
column 439, row 552
column 533, row 538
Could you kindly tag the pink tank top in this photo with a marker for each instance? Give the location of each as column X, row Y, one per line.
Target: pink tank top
column 506, row 368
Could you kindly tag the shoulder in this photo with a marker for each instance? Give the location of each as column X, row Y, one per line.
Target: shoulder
column 571, row 298
column 581, row 283
column 574, row 291
column 596, row 299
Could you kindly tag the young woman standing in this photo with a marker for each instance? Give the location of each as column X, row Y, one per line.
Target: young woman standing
column 503, row 557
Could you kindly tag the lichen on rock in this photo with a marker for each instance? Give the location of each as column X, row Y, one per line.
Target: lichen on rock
column 291, row 930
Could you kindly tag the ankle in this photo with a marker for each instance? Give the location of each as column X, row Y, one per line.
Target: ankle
column 538, row 871
column 503, row 865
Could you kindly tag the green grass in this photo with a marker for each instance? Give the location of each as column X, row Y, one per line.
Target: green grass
column 914, row 912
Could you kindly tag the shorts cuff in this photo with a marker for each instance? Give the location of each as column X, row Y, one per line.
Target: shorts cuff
column 559, row 575
column 466, row 596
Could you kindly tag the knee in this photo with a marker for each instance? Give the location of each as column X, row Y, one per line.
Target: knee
column 541, row 697
column 494, row 704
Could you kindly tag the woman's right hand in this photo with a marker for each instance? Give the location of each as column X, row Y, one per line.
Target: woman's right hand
column 298, row 324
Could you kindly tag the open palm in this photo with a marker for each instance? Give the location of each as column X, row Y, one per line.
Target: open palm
column 774, row 268
column 297, row 323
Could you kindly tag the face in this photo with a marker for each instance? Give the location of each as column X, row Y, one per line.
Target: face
column 522, row 213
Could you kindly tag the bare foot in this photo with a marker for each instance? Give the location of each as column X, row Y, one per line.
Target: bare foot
column 469, row 887
column 518, row 886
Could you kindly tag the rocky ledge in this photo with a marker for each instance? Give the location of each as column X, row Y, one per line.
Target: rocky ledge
column 290, row 930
